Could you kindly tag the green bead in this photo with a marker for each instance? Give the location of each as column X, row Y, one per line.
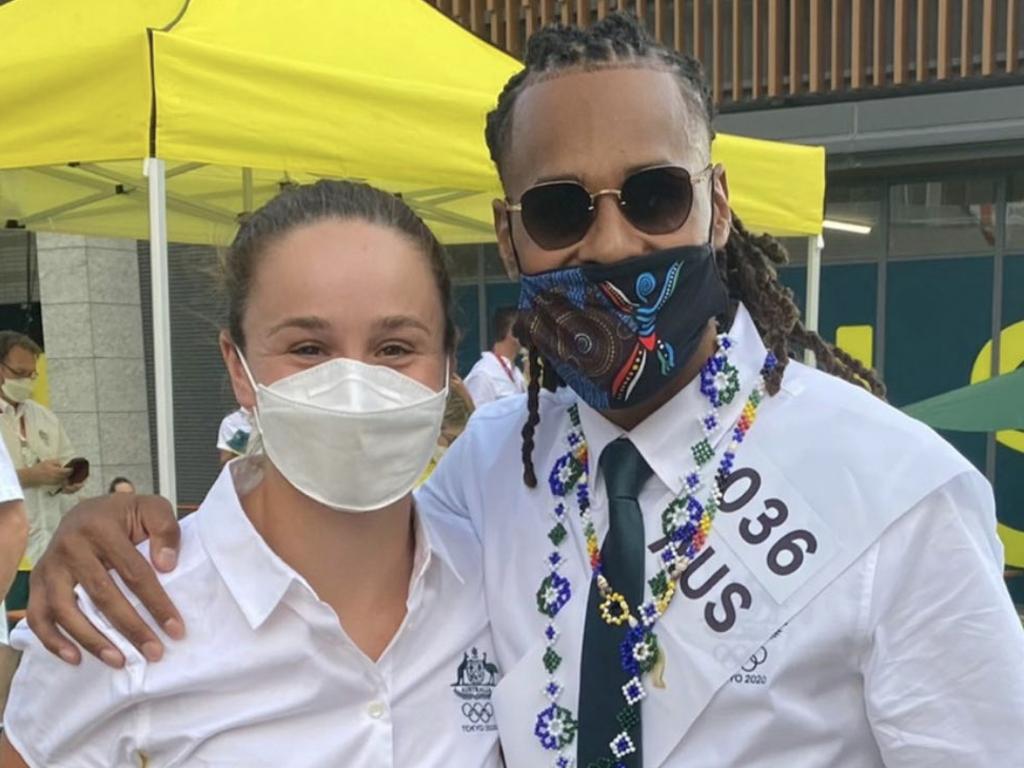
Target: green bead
column 652, row 658
column 659, row 585
column 557, row 534
column 732, row 386
column 574, row 415
column 703, row 453
column 551, row 660
column 629, row 718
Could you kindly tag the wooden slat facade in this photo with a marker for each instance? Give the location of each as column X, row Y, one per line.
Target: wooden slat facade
column 756, row 49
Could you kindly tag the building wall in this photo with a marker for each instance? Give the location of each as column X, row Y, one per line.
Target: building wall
column 89, row 294
column 868, row 132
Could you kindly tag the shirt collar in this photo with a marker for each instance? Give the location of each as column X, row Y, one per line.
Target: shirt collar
column 665, row 437
column 7, row 409
column 430, row 543
column 256, row 577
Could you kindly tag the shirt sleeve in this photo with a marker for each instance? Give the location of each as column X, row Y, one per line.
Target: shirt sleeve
column 445, row 490
column 60, row 715
column 10, row 488
column 944, row 665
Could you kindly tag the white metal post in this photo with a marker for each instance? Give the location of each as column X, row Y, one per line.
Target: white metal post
column 247, row 192
column 156, row 172
column 814, row 245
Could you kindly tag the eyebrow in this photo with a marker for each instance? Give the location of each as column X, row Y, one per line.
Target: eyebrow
column 313, row 323
column 308, row 323
column 400, row 322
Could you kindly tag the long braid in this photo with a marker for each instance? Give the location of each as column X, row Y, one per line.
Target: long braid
column 532, row 417
column 542, row 375
column 751, row 276
column 748, row 262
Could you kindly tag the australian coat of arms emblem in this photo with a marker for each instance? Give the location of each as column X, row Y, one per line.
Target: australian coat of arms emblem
column 475, row 676
column 475, row 679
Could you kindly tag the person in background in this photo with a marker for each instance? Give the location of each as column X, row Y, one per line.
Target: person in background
column 121, row 485
column 495, row 374
column 233, row 437
column 36, row 441
column 458, row 408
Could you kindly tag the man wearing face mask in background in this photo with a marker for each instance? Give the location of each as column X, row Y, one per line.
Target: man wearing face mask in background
column 35, row 439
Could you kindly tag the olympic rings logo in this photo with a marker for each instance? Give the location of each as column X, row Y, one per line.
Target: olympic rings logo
column 478, row 713
column 760, row 657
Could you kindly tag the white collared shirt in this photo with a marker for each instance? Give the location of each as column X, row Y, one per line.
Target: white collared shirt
column 44, row 438
column 10, row 488
column 492, row 379
column 892, row 644
column 266, row 676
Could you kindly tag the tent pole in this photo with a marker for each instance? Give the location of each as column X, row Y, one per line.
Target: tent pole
column 247, row 197
column 156, row 172
column 814, row 246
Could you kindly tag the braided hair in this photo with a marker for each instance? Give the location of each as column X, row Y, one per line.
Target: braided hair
column 748, row 262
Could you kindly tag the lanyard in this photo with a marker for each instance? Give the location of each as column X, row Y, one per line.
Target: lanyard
column 506, row 368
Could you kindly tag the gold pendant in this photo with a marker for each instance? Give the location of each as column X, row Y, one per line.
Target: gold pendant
column 618, row 602
column 658, row 670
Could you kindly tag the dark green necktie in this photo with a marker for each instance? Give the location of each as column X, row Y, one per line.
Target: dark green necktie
column 601, row 674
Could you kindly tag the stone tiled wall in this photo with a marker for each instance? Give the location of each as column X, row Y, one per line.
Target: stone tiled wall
column 92, row 321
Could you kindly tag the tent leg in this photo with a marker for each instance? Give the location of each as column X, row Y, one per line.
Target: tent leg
column 156, row 172
column 814, row 246
column 247, row 196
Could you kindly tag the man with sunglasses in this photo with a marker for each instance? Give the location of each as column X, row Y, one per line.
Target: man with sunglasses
column 715, row 555
column 35, row 440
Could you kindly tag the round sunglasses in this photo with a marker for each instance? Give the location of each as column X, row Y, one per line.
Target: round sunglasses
column 656, row 201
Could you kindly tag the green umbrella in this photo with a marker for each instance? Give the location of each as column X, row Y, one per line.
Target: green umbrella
column 988, row 406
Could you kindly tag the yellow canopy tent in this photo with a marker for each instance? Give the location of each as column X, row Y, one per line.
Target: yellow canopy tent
column 389, row 91
column 166, row 119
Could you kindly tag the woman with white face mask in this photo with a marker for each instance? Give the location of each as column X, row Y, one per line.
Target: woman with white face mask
column 329, row 622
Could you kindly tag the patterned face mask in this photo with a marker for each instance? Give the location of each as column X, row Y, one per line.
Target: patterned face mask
column 618, row 333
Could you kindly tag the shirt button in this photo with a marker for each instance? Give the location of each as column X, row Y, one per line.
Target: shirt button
column 375, row 710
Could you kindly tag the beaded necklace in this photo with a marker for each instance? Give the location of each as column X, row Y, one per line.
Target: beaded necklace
column 685, row 524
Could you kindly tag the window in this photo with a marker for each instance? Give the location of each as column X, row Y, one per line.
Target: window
column 853, row 216
column 1015, row 214
column 955, row 217
column 463, row 263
